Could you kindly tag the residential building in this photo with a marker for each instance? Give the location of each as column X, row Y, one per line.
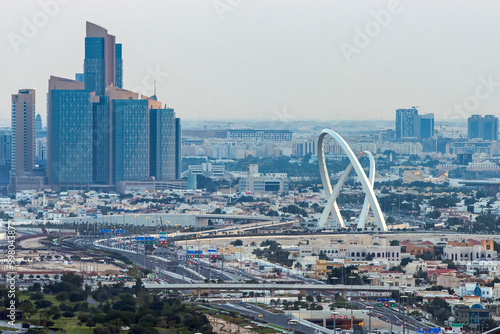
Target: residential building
column 270, row 135
column 485, row 127
column 405, row 123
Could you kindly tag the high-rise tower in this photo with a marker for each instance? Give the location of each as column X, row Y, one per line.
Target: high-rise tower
column 23, row 132
column 103, row 65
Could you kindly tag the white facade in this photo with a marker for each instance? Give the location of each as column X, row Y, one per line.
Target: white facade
column 388, row 253
column 467, row 254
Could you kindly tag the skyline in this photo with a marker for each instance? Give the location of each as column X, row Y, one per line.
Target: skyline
column 237, row 59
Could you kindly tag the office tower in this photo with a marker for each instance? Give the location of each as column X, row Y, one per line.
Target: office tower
column 162, row 144
column 178, row 148
column 23, row 132
column 425, row 126
column 405, row 123
column 70, row 138
column 485, row 127
column 101, row 141
column 38, row 122
column 473, row 126
column 490, row 127
column 130, row 140
column 103, row 60
column 99, row 133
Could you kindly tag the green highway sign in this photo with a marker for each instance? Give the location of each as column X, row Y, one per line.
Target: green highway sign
column 457, row 325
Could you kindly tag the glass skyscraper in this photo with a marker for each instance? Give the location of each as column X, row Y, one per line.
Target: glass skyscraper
column 130, row 140
column 103, row 65
column 485, row 127
column 405, row 123
column 101, row 141
column 100, row 133
column 162, row 144
column 70, row 132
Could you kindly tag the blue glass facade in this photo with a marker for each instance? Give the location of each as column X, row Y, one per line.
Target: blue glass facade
column 162, row 144
column 71, row 145
column 93, row 65
column 119, row 66
column 101, row 133
column 130, row 140
column 178, row 145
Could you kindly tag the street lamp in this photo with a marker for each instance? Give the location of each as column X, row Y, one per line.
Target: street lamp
column 403, row 297
column 370, row 310
column 334, row 316
column 352, row 319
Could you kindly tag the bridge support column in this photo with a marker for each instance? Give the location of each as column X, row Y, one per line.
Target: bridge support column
column 344, row 294
column 324, row 322
column 272, row 292
column 199, row 293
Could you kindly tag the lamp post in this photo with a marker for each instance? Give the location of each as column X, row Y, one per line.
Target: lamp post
column 370, row 310
column 352, row 318
column 334, row 316
column 403, row 297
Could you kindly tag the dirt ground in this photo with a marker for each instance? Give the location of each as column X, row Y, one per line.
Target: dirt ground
column 221, row 326
column 33, row 243
column 32, row 251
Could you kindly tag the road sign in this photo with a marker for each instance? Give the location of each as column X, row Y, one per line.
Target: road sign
column 104, row 231
column 457, row 325
column 435, row 330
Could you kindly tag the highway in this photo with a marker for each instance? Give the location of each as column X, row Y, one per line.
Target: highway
column 268, row 286
column 279, row 319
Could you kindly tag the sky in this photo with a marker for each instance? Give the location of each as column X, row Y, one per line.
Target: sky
column 269, row 59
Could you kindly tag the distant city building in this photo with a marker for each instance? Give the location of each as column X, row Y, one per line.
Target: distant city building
column 207, row 169
column 485, row 127
column 405, row 123
column 473, row 146
column 38, row 123
column 263, row 184
column 23, row 132
column 4, row 157
column 425, row 126
column 305, row 147
column 271, row 135
column 41, row 149
column 409, row 124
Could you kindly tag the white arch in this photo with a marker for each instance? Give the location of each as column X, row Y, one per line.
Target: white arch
column 367, row 184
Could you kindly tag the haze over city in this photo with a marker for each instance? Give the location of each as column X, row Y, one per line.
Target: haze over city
column 249, row 166
column 223, row 59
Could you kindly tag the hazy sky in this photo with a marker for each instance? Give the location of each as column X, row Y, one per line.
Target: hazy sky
column 270, row 59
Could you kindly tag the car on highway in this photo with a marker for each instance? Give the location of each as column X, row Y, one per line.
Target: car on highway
column 260, row 316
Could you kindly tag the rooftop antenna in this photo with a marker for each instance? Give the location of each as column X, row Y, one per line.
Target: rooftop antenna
column 155, row 89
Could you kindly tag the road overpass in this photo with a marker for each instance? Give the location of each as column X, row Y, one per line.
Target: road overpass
column 273, row 287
